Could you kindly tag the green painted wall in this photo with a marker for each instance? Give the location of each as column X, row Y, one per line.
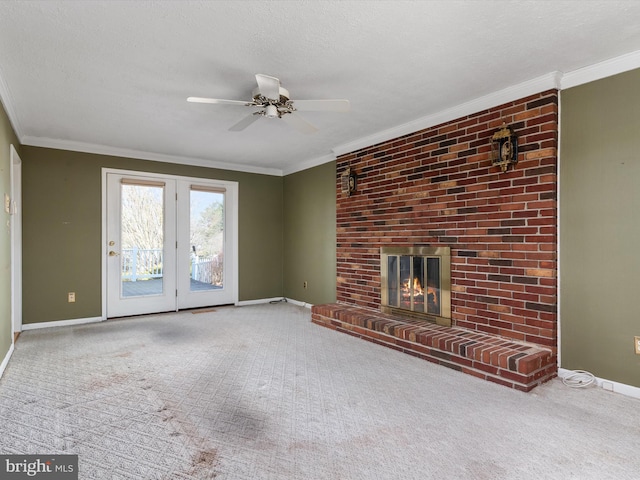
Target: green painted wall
column 7, row 138
column 62, row 223
column 310, row 234
column 600, row 227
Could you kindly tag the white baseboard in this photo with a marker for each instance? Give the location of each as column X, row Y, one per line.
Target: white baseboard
column 609, row 385
column 299, row 303
column 60, row 323
column 245, row 303
column 5, row 362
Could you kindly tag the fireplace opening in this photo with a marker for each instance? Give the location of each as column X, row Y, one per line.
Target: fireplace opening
column 417, row 281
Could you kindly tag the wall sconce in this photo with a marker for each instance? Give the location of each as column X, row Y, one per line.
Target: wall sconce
column 349, row 182
column 504, row 148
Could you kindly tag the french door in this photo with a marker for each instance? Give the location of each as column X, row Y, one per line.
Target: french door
column 170, row 243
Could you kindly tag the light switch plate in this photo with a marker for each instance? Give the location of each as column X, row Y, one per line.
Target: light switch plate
column 637, row 342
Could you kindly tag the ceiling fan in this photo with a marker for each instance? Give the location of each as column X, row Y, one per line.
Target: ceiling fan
column 274, row 102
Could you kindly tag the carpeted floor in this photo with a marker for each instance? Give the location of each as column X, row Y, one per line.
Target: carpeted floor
column 259, row 392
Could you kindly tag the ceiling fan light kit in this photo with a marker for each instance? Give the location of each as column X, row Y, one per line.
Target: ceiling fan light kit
column 274, row 102
column 271, row 111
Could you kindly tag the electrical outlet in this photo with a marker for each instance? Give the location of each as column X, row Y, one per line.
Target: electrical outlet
column 71, row 297
column 637, row 342
column 304, row 284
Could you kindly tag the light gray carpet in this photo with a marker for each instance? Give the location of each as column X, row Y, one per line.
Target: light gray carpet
column 259, row 392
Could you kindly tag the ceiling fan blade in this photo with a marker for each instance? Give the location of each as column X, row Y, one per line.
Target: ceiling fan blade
column 299, row 123
column 268, row 87
column 244, row 123
column 218, row 101
column 322, row 105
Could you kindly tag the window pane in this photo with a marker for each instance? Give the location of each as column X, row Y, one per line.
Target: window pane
column 207, row 240
column 142, row 237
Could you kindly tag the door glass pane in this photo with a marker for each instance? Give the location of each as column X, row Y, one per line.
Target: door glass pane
column 417, row 284
column 142, row 236
column 433, row 286
column 406, row 282
column 392, row 280
column 207, row 240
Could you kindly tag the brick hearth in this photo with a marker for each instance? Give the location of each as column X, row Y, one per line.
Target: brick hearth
column 513, row 364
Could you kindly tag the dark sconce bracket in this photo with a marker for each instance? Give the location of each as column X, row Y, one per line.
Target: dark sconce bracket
column 349, row 182
column 504, row 148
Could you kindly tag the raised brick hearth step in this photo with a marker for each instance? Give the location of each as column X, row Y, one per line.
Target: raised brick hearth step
column 513, row 364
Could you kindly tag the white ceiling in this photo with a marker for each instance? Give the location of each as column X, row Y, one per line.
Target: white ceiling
column 113, row 76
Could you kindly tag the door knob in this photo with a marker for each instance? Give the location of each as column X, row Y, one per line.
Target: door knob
column 113, row 254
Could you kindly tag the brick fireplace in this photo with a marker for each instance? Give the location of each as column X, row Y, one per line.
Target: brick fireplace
column 438, row 188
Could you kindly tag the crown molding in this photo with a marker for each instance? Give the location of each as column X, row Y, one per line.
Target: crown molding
column 557, row 80
column 608, row 68
column 7, row 103
column 551, row 80
column 307, row 164
column 515, row 92
column 141, row 155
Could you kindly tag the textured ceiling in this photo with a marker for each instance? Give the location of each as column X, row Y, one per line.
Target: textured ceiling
column 113, row 77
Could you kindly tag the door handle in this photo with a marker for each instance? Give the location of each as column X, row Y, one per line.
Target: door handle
column 113, row 254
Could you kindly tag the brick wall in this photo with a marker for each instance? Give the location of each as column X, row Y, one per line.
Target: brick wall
column 437, row 187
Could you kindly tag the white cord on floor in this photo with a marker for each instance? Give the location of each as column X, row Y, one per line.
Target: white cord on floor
column 579, row 379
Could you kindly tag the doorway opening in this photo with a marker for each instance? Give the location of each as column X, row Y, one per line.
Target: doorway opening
column 170, row 243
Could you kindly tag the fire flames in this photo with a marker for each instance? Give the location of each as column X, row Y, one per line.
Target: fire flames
column 417, row 288
column 418, row 291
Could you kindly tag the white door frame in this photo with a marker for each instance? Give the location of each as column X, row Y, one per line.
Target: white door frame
column 15, row 210
column 228, row 294
column 231, row 228
column 119, row 305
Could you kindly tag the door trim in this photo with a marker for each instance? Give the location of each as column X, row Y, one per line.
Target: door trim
column 232, row 230
column 15, row 174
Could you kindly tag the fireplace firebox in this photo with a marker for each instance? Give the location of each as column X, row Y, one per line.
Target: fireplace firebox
column 416, row 281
